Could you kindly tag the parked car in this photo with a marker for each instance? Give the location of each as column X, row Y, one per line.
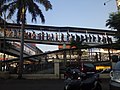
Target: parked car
column 115, row 77
column 83, row 67
column 87, row 67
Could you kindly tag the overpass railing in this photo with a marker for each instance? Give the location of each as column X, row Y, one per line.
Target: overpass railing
column 48, row 36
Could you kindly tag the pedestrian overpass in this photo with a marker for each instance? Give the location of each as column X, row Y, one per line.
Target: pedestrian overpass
column 53, row 35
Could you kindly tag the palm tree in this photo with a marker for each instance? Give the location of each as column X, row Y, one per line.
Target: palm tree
column 22, row 7
column 114, row 22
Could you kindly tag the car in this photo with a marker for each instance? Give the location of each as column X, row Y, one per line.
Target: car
column 115, row 77
column 87, row 68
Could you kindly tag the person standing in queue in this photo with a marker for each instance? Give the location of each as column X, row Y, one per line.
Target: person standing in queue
column 56, row 37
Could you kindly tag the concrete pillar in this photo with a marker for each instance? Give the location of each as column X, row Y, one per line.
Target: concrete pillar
column 64, row 54
column 64, row 57
column 56, row 68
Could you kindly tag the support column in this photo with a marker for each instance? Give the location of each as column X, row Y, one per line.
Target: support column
column 70, row 56
column 56, row 68
column 110, row 59
column 100, row 57
column 109, row 54
column 64, row 55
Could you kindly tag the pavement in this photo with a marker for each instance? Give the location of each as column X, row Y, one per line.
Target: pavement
column 41, row 84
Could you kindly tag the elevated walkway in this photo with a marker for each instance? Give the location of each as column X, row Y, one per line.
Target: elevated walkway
column 37, row 41
column 15, row 51
column 53, row 35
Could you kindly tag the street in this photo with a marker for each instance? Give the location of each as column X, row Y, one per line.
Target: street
column 41, row 84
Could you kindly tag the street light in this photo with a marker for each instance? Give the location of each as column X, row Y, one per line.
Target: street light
column 117, row 3
column 107, row 2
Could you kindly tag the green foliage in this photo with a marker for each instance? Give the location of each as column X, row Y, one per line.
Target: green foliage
column 114, row 22
column 117, row 46
column 76, row 43
column 118, row 37
column 114, row 58
column 23, row 6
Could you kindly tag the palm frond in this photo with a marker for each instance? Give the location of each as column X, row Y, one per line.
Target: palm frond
column 12, row 9
column 29, row 5
column 39, row 12
column 113, row 21
column 31, row 10
column 45, row 3
column 18, row 16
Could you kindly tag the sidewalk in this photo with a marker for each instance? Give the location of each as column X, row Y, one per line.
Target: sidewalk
column 41, row 84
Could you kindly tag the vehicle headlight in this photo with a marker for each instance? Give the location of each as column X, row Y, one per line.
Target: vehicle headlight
column 115, row 76
column 79, row 78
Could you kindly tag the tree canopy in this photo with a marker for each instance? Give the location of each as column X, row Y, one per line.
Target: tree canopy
column 20, row 6
column 114, row 23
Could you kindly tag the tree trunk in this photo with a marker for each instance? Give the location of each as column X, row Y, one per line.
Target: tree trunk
column 21, row 61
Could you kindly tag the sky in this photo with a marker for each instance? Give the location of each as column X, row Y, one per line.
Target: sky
column 76, row 13
column 79, row 13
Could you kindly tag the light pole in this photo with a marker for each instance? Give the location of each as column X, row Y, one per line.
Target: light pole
column 107, row 2
column 117, row 3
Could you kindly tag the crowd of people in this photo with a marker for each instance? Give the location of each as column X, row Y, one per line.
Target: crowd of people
column 58, row 36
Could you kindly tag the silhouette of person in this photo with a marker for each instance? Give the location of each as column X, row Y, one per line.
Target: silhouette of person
column 56, row 36
column 46, row 36
column 52, row 37
column 68, row 36
column 62, row 37
column 82, row 37
column 42, row 35
column 94, row 38
column 99, row 38
column 77, row 38
column 86, row 38
column 90, row 38
column 104, row 40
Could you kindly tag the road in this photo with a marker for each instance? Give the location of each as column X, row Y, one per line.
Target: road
column 41, row 84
